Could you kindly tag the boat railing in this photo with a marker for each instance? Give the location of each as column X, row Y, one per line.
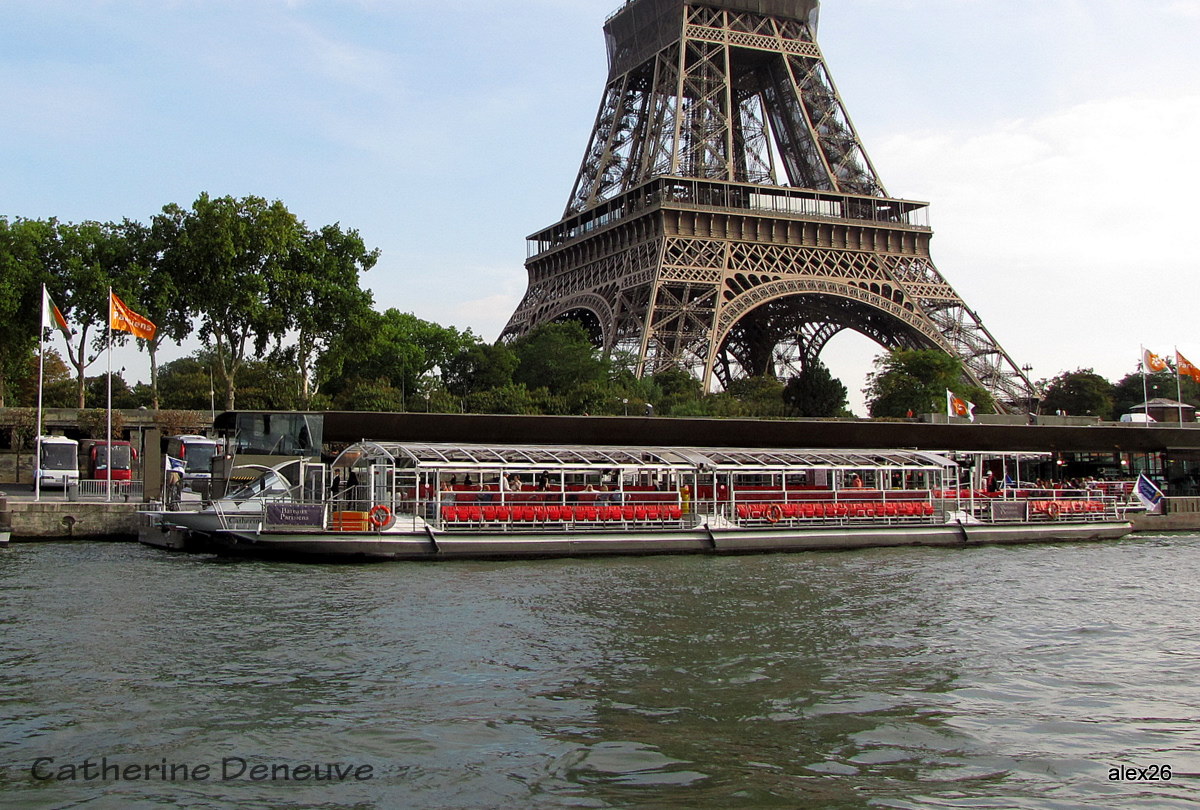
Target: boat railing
column 477, row 508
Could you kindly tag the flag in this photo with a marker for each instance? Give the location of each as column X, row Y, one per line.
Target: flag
column 52, row 317
column 1152, row 362
column 124, row 319
column 1149, row 494
column 175, row 465
column 956, row 406
column 1184, row 366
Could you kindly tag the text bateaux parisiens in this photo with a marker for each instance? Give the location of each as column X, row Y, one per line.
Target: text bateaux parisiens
column 48, row 769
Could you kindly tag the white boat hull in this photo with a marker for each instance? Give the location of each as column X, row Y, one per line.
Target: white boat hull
column 435, row 545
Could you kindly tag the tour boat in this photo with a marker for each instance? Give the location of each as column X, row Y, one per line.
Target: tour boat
column 423, row 501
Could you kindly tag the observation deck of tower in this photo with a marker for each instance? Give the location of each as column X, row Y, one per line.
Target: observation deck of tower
column 726, row 217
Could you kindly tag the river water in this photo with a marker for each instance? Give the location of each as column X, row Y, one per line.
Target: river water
column 1013, row 677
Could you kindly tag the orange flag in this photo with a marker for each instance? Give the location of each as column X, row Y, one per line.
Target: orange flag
column 956, row 406
column 1185, row 366
column 1153, row 362
column 124, row 319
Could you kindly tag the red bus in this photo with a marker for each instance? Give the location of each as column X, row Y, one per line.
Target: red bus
column 123, row 456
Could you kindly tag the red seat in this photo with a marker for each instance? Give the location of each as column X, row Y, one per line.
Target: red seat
column 676, row 512
column 639, row 513
column 651, row 513
column 539, row 513
column 743, row 511
column 449, row 514
column 503, row 513
column 474, row 514
column 553, row 514
column 489, row 513
column 627, row 512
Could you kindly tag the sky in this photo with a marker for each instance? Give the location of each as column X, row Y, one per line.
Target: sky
column 1053, row 139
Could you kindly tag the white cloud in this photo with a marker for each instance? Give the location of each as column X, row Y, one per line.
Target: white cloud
column 1068, row 233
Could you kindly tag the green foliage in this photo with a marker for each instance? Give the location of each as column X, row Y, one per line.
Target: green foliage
column 914, row 380
column 186, row 384
column 677, row 390
column 1129, row 392
column 513, row 398
column 759, row 396
column 230, row 259
column 1082, row 392
column 96, row 389
column 815, row 393
column 394, row 350
column 24, row 249
column 479, row 366
column 91, row 258
column 557, row 357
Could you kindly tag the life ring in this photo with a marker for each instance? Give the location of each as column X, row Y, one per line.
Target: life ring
column 1052, row 509
column 774, row 513
column 380, row 516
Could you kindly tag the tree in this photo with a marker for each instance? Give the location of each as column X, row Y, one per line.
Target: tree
column 394, row 350
column 58, row 388
column 153, row 284
column 815, row 392
column 92, row 258
column 558, row 357
column 760, row 396
column 321, row 294
column 230, row 258
column 1130, row 393
column 25, row 248
column 478, row 367
column 676, row 389
column 1079, row 393
column 916, row 381
column 512, row 398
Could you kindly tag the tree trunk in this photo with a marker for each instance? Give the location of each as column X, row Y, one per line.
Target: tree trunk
column 152, row 348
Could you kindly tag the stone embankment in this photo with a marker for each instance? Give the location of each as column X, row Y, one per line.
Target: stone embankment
column 59, row 520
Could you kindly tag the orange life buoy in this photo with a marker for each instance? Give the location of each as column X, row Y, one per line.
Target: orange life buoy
column 380, row 516
column 1052, row 509
column 774, row 513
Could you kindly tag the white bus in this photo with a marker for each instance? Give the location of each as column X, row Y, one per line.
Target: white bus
column 196, row 453
column 57, row 461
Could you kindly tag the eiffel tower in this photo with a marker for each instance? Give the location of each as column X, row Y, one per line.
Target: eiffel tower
column 726, row 218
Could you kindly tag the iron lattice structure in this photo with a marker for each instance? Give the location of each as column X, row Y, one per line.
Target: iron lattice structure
column 726, row 217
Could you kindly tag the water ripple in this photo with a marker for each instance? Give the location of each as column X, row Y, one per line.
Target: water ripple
column 923, row 678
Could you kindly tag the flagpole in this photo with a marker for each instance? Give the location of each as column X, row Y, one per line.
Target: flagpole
column 37, row 442
column 1178, row 386
column 109, row 440
column 1145, row 390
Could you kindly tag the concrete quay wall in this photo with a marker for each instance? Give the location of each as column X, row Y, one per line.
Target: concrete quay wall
column 56, row 520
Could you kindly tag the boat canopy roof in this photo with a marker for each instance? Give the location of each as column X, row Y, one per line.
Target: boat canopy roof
column 541, row 457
